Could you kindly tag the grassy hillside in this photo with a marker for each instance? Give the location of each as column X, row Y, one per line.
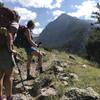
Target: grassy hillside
column 88, row 73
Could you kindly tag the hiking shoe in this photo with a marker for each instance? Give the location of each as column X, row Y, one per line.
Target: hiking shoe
column 1, row 98
column 39, row 69
column 9, row 98
column 29, row 77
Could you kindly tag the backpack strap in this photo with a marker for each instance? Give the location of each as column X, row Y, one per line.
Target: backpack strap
column 9, row 41
column 5, row 39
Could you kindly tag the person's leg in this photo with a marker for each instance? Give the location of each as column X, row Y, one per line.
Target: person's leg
column 39, row 55
column 1, row 83
column 29, row 58
column 8, row 83
column 39, row 58
column 31, row 52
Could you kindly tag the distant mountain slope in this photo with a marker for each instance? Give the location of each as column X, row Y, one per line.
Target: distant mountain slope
column 66, row 32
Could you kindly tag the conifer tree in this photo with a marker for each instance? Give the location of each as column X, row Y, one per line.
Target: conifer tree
column 1, row 4
column 96, row 14
column 93, row 45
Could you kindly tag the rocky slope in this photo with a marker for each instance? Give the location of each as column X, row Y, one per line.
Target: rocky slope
column 66, row 77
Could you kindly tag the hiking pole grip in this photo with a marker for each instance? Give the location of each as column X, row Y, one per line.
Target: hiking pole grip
column 43, row 53
column 39, row 44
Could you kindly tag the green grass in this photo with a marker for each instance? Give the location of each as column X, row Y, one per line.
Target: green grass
column 88, row 77
column 22, row 52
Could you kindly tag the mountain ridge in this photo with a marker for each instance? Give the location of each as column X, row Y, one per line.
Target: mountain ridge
column 64, row 30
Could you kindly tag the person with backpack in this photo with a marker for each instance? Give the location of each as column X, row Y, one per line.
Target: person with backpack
column 6, row 62
column 31, row 49
column 7, row 52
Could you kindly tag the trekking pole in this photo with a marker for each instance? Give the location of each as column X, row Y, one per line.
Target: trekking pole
column 21, row 76
column 16, row 61
column 23, row 85
column 26, row 91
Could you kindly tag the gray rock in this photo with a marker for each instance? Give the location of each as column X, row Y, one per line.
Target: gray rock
column 65, row 65
column 48, row 91
column 59, row 69
column 84, row 66
column 73, row 76
column 81, row 94
column 65, row 83
column 64, row 78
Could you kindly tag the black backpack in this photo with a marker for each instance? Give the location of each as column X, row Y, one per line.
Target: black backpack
column 21, row 40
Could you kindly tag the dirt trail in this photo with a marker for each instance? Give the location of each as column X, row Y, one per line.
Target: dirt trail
column 19, row 92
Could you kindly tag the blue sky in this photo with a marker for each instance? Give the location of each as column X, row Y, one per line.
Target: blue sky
column 45, row 11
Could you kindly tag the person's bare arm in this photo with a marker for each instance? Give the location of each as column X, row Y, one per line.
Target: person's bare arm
column 28, row 36
column 9, row 42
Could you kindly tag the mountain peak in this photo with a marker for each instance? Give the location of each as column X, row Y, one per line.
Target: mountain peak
column 64, row 16
column 65, row 32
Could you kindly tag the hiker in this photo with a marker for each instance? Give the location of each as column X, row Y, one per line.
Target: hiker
column 31, row 49
column 7, row 62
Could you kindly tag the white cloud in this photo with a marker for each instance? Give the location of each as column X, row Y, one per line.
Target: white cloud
column 57, row 13
column 85, row 9
column 26, row 14
column 37, row 30
column 58, row 3
column 38, row 3
column 37, row 24
column 1, row 1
